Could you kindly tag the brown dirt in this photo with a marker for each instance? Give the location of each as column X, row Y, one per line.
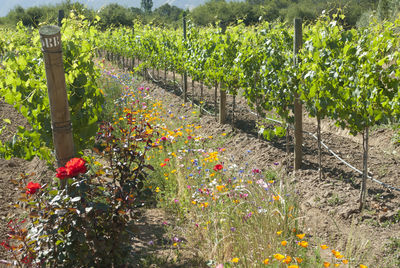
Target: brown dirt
column 12, row 170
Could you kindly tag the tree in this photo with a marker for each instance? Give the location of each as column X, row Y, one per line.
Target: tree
column 147, row 5
column 255, row 2
column 114, row 14
column 383, row 9
column 167, row 14
column 34, row 15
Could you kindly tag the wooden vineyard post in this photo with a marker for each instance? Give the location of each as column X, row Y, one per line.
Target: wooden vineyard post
column 363, row 192
column 222, row 105
column 298, row 110
column 215, row 99
column 185, row 86
column 50, row 37
column 60, row 17
column 222, row 92
column 133, row 56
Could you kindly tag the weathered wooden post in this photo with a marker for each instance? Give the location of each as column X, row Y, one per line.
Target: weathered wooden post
column 60, row 17
column 185, row 97
column 50, row 37
column 222, row 91
column 298, row 110
column 133, row 56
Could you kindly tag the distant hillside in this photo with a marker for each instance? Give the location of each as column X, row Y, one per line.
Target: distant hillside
column 6, row 6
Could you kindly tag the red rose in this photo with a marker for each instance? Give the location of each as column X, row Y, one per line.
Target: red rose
column 32, row 187
column 75, row 166
column 62, row 173
column 218, row 167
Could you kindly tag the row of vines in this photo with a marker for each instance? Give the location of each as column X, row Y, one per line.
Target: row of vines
column 350, row 76
column 347, row 75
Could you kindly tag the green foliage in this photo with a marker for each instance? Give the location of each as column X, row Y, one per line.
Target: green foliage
column 25, row 88
column 213, row 11
column 228, row 12
column 346, row 75
column 383, row 9
column 252, row 11
column 115, row 15
column 146, row 5
column 84, row 96
column 36, row 15
column 166, row 14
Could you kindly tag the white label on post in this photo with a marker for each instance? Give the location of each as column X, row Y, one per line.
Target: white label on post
column 51, row 42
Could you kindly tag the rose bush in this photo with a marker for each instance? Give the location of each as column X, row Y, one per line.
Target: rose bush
column 90, row 222
column 72, row 168
column 32, row 187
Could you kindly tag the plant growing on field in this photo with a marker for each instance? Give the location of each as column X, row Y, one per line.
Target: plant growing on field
column 369, row 84
column 24, row 87
column 320, row 68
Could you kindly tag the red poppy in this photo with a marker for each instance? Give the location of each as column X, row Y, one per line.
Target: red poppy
column 218, row 167
column 75, row 166
column 166, row 159
column 32, row 187
column 62, row 173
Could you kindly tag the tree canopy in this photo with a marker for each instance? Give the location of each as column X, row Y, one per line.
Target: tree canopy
column 357, row 12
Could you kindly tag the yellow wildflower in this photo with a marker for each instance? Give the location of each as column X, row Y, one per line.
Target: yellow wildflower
column 300, row 236
column 287, row 260
column 235, row 260
column 279, row 256
column 299, row 260
column 304, row 244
